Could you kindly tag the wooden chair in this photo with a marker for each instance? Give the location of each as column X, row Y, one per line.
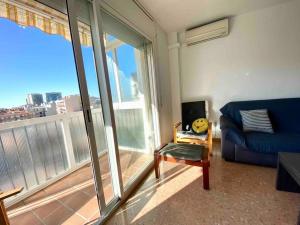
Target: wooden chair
column 3, row 195
column 193, row 139
column 189, row 154
column 191, row 111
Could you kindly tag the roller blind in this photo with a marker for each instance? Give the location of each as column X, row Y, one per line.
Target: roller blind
column 122, row 31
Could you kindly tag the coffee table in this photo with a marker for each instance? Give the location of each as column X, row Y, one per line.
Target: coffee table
column 189, row 154
column 288, row 172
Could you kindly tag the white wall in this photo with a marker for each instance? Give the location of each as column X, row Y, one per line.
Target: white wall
column 174, row 62
column 132, row 15
column 260, row 59
column 164, row 86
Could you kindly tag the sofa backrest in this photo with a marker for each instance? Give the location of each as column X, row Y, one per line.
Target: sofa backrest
column 284, row 113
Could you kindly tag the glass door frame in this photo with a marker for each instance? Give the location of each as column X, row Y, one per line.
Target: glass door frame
column 106, row 98
column 106, row 102
column 110, row 128
column 150, row 65
column 108, row 113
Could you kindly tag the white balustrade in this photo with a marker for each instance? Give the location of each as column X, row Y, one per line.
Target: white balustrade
column 38, row 151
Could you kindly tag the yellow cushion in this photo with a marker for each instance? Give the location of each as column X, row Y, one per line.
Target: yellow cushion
column 200, row 125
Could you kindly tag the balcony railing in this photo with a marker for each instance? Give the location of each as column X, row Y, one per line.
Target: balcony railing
column 36, row 151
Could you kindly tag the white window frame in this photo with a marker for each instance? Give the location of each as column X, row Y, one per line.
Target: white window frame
column 102, row 72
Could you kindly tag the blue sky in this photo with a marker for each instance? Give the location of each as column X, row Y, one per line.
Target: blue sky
column 32, row 61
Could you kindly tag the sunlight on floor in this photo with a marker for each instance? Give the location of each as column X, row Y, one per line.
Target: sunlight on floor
column 167, row 186
column 239, row 194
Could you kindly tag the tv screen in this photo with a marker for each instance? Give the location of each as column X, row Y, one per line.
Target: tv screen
column 190, row 112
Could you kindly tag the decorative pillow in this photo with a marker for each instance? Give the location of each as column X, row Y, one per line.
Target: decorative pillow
column 256, row 120
column 200, row 125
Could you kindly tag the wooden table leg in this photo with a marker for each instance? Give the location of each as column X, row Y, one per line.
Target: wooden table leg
column 205, row 171
column 156, row 165
column 3, row 215
column 209, row 139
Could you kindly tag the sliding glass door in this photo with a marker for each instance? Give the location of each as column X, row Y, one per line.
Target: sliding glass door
column 77, row 128
column 84, row 15
column 44, row 143
column 126, row 56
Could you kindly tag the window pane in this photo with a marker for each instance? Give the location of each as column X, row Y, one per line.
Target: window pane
column 97, row 116
column 49, row 153
column 130, row 91
column 111, row 65
column 126, row 54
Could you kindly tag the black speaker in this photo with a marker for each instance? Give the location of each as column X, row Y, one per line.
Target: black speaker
column 190, row 112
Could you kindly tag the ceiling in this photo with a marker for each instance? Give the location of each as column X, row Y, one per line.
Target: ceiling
column 178, row 15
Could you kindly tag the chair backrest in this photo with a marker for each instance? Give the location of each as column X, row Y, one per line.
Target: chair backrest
column 192, row 111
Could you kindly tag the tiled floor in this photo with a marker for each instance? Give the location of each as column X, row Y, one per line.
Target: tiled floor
column 240, row 194
column 72, row 200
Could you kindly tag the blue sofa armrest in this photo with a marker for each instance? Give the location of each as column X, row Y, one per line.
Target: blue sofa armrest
column 231, row 132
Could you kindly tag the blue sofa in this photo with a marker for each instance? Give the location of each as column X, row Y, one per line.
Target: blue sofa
column 256, row 147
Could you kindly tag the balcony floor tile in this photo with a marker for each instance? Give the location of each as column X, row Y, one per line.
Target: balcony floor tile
column 46, row 209
column 25, row 219
column 72, row 199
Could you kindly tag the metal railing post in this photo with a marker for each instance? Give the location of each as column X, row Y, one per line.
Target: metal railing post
column 68, row 142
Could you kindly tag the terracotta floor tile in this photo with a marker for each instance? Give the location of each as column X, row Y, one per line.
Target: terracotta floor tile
column 57, row 187
column 106, row 179
column 59, row 216
column 81, row 177
column 108, row 193
column 89, row 209
column 81, row 201
column 94, row 218
column 89, row 190
column 74, row 220
column 75, row 200
column 19, row 204
column 25, row 219
column 46, row 209
column 36, row 197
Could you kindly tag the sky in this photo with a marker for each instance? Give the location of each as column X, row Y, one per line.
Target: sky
column 32, row 61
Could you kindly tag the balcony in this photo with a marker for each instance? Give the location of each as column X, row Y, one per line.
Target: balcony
column 49, row 157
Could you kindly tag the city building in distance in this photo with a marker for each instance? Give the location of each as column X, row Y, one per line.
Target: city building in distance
column 36, row 111
column 13, row 114
column 34, row 99
column 70, row 103
column 53, row 96
column 50, row 108
column 36, row 107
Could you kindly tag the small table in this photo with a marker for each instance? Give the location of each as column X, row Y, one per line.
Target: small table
column 288, row 172
column 3, row 195
column 189, row 154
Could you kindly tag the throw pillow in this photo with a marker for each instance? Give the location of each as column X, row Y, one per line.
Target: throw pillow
column 200, row 125
column 256, row 120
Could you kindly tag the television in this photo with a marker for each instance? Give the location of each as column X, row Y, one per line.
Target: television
column 190, row 112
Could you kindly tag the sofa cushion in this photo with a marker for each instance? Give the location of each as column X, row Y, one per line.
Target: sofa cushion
column 272, row 143
column 284, row 113
column 256, row 120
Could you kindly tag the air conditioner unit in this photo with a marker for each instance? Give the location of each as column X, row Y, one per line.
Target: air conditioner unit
column 206, row 32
